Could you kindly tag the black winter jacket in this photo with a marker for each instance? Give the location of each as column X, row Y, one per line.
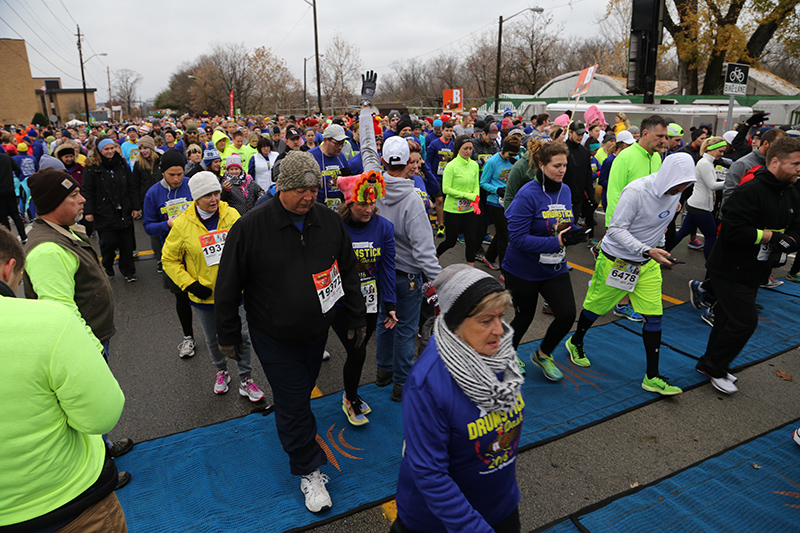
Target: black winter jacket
column 579, row 174
column 111, row 194
column 763, row 203
column 271, row 262
column 146, row 178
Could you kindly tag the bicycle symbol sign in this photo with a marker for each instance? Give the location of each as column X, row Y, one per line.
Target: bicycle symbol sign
column 736, row 79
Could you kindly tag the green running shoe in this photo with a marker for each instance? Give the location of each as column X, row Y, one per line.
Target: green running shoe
column 577, row 354
column 521, row 364
column 549, row 368
column 660, row 385
column 793, row 277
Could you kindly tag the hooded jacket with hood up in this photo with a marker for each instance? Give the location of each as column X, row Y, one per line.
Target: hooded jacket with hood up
column 645, row 210
column 401, row 205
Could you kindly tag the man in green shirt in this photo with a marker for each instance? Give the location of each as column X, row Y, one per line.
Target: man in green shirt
column 638, row 161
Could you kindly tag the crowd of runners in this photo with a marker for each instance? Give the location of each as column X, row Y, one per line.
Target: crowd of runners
column 271, row 231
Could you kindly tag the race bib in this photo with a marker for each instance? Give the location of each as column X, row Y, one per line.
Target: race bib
column 463, row 204
column 554, row 258
column 173, row 208
column 369, row 290
column 331, row 174
column 333, row 203
column 764, row 252
column 329, row 286
column 440, row 169
column 212, row 245
column 623, row 275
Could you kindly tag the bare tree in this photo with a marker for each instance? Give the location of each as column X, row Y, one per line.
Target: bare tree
column 126, row 82
column 341, row 69
column 533, row 52
column 274, row 86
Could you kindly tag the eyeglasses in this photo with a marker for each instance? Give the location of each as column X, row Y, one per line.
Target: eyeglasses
column 337, row 143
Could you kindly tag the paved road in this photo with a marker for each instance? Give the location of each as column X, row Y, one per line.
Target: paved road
column 166, row 394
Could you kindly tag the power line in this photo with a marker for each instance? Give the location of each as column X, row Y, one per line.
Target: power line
column 61, row 22
column 68, row 13
column 38, row 52
column 67, row 49
column 36, row 34
column 293, row 28
column 20, row 55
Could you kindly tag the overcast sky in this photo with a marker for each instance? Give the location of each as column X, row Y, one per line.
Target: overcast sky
column 154, row 37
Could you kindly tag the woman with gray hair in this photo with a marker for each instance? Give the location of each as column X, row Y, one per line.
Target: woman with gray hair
column 462, row 415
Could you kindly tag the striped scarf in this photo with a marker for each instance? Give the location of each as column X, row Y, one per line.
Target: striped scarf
column 475, row 374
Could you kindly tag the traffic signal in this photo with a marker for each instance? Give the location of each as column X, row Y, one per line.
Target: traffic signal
column 647, row 23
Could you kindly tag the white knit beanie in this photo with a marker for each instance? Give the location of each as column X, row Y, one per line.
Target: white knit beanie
column 203, row 183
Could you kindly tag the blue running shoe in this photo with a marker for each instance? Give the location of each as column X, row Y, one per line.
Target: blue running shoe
column 549, row 368
column 626, row 311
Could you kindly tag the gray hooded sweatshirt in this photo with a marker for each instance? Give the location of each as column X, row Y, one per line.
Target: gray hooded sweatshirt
column 645, row 209
column 401, row 205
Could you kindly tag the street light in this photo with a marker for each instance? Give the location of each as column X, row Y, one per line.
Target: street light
column 499, row 47
column 313, row 4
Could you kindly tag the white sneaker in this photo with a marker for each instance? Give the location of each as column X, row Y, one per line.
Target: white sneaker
column 186, row 348
column 796, row 435
column 326, row 355
column 250, row 390
column 313, row 486
column 724, row 385
column 730, row 377
column 221, row 382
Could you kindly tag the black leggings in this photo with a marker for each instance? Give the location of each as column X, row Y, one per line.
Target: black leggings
column 557, row 292
column 497, row 250
column 184, row 308
column 355, row 356
column 455, row 224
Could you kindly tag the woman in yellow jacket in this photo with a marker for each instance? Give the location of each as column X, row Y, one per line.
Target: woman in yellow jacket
column 191, row 257
column 461, row 186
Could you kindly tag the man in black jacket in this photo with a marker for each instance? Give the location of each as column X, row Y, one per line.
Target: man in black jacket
column 292, row 259
column 579, row 175
column 8, row 198
column 745, row 253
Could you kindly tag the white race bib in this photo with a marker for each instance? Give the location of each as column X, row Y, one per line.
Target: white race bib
column 329, row 286
column 623, row 275
column 212, row 245
column 369, row 289
column 765, row 250
column 553, row 258
column 463, row 204
column 173, row 208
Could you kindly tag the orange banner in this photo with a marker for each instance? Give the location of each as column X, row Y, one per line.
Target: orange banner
column 453, row 100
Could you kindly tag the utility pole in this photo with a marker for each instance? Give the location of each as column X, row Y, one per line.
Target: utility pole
column 316, row 53
column 497, row 73
column 108, row 71
column 83, row 76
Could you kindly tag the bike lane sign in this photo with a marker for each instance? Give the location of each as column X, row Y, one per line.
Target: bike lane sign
column 736, row 79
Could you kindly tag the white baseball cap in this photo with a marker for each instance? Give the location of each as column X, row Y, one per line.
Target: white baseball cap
column 335, row 132
column 626, row 137
column 395, row 151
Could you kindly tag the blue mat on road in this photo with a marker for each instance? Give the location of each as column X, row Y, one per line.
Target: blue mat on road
column 686, row 333
column 753, row 487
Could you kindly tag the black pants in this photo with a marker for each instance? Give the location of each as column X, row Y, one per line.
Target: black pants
column 292, row 372
column 122, row 240
column 355, row 356
column 456, row 224
column 509, row 525
column 482, row 222
column 10, row 208
column 557, row 292
column 497, row 250
column 735, row 321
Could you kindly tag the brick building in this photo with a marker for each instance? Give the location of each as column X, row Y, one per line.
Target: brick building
column 22, row 95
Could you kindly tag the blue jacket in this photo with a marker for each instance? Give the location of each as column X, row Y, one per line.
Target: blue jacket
column 27, row 164
column 331, row 168
column 605, row 170
column 458, row 471
column 532, row 220
column 161, row 203
column 494, row 176
column 373, row 245
column 439, row 153
column 38, row 151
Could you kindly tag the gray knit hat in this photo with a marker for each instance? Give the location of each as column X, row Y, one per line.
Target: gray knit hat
column 202, row 183
column 299, row 170
column 460, row 288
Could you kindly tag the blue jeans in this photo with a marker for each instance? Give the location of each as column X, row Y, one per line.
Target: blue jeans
column 207, row 323
column 396, row 347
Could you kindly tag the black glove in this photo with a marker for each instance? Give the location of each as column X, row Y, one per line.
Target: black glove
column 501, row 191
column 781, row 244
column 574, row 236
column 201, row 291
column 359, row 334
column 757, row 119
column 368, row 84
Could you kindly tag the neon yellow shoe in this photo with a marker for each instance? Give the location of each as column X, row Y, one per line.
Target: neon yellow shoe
column 660, row 385
column 577, row 354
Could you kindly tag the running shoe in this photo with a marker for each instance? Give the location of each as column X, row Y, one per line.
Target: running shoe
column 250, row 390
column 772, row 283
column 796, row 435
column 697, row 296
column 440, row 232
column 353, row 412
column 595, row 249
column 577, row 354
column 109, row 273
column 186, row 348
column 546, row 308
column 130, row 279
column 326, row 355
column 730, row 377
column 135, row 253
column 549, row 368
column 502, row 278
column 313, row 486
column 592, row 242
column 489, row 264
column 721, row 384
column 708, row 316
column 521, row 365
column 660, row 385
column 793, row 277
column 383, row 377
column 461, row 238
column 221, row 382
column 159, row 268
column 488, row 239
column 695, row 244
column 627, row 311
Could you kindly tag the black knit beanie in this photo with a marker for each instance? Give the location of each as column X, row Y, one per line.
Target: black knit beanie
column 171, row 158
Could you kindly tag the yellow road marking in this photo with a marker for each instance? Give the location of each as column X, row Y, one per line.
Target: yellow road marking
column 589, row 271
column 316, row 393
column 389, row 510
